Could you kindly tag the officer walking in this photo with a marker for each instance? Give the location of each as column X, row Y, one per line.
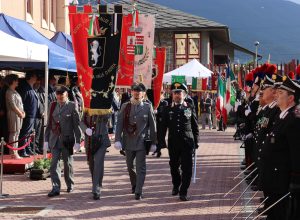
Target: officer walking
column 135, row 130
column 96, row 143
column 181, row 120
column 62, row 135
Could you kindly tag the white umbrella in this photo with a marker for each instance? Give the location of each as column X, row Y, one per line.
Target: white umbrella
column 191, row 69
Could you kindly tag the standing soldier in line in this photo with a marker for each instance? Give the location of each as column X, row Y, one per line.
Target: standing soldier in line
column 96, row 143
column 280, row 154
column 266, row 119
column 62, row 135
column 135, row 120
column 181, row 120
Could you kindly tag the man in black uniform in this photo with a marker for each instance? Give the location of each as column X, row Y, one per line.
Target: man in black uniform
column 280, row 154
column 265, row 122
column 181, row 120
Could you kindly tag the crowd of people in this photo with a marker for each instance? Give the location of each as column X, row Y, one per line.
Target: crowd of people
column 268, row 120
column 138, row 129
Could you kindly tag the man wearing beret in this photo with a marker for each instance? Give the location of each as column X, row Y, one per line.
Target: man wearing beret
column 135, row 129
column 61, row 136
column 181, row 120
column 280, row 155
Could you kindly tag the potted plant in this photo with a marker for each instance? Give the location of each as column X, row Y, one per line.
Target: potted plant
column 40, row 169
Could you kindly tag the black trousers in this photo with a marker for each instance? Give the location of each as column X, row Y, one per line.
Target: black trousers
column 39, row 133
column 181, row 157
column 294, row 207
column 279, row 211
column 27, row 127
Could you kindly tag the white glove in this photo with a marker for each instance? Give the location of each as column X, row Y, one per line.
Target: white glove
column 46, row 146
column 153, row 148
column 118, row 145
column 76, row 147
column 248, row 111
column 89, row 132
column 248, row 136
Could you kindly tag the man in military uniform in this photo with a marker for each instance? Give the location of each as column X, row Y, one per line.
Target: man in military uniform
column 181, row 120
column 265, row 121
column 96, row 143
column 62, row 135
column 280, row 154
column 136, row 129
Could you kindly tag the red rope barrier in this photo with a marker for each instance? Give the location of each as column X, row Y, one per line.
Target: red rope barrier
column 19, row 148
column 23, row 138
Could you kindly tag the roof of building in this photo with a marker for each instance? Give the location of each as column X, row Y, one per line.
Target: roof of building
column 168, row 18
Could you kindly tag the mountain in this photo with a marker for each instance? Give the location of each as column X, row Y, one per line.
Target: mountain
column 274, row 23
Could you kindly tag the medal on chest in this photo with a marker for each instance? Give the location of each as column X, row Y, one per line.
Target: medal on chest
column 187, row 113
column 264, row 122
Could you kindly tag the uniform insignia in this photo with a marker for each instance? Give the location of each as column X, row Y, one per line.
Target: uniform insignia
column 265, row 122
column 187, row 113
column 272, row 140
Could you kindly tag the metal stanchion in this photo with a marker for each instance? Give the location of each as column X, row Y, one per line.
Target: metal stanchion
column 1, row 172
column 34, row 145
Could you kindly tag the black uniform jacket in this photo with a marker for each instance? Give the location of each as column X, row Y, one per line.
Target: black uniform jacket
column 280, row 154
column 181, row 120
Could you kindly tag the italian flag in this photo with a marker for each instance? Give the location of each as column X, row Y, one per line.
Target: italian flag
column 220, row 98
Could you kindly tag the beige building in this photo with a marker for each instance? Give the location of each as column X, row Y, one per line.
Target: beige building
column 46, row 16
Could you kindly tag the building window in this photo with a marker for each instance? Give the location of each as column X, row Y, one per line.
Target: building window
column 45, row 11
column 187, row 47
column 53, row 15
column 45, row 14
column 29, row 11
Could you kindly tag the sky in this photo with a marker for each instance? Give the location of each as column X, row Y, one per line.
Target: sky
column 296, row 1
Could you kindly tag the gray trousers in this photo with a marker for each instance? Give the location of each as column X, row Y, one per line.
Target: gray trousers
column 137, row 176
column 55, row 169
column 205, row 116
column 97, row 169
column 13, row 136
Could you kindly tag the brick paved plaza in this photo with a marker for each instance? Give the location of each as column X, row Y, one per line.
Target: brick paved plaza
column 218, row 162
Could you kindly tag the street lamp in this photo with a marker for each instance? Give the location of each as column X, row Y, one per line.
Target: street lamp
column 256, row 43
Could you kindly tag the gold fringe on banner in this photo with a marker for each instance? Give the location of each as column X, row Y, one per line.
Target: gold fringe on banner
column 92, row 112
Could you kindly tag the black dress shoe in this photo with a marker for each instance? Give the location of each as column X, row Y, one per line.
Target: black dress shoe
column 30, row 152
column 184, row 198
column 53, row 193
column 23, row 155
column 70, row 189
column 96, row 196
column 175, row 191
column 133, row 190
column 122, row 152
column 158, row 154
column 138, row 196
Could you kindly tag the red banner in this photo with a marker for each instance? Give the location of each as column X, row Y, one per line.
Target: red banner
column 159, row 70
column 214, row 80
column 79, row 25
column 127, row 48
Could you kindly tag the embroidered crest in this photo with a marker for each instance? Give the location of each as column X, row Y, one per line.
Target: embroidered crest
column 187, row 113
column 264, row 122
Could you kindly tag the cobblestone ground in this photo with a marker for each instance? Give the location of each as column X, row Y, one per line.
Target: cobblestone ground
column 218, row 162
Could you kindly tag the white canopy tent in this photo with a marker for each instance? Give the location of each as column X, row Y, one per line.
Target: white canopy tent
column 191, row 69
column 17, row 50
